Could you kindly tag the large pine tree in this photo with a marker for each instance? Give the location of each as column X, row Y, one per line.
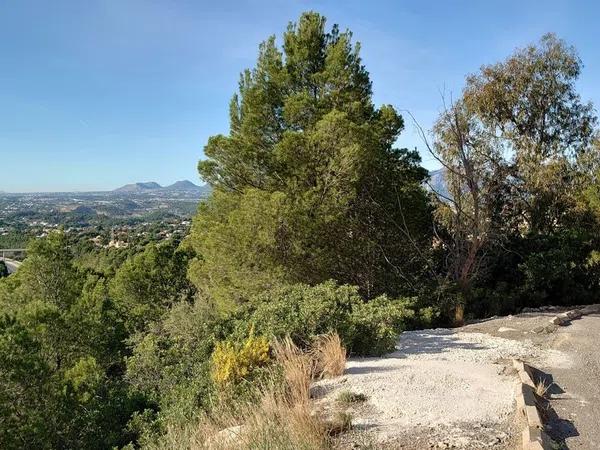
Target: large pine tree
column 308, row 185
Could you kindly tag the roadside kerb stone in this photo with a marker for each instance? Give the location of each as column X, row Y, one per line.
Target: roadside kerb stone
column 533, row 417
column 533, row 434
column 525, row 396
column 590, row 309
column 565, row 317
column 556, row 320
column 536, row 439
column 526, row 379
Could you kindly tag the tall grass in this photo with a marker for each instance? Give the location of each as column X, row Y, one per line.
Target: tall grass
column 329, row 355
column 297, row 367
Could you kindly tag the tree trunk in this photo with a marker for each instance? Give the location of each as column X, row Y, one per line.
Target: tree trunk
column 459, row 315
column 465, row 292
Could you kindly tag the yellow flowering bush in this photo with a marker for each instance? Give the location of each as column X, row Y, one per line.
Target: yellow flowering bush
column 231, row 364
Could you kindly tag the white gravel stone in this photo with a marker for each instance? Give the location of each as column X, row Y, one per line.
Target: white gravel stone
column 435, row 377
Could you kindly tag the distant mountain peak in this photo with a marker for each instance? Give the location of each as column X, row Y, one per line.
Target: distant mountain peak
column 437, row 183
column 139, row 187
column 183, row 185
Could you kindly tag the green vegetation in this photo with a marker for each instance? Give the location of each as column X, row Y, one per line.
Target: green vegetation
column 302, row 312
column 518, row 148
column 319, row 239
column 348, row 397
column 3, row 270
column 13, row 240
column 308, row 184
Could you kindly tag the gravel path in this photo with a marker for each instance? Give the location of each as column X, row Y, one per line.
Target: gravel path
column 452, row 388
column 455, row 389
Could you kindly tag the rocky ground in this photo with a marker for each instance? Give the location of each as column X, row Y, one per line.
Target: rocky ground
column 455, row 388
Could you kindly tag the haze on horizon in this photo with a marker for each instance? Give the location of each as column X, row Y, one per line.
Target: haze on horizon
column 96, row 95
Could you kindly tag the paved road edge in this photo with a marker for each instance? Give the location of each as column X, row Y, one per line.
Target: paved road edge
column 534, row 437
column 564, row 318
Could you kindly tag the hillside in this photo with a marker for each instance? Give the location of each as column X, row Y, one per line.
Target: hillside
column 139, row 187
column 178, row 186
column 437, row 183
column 184, row 185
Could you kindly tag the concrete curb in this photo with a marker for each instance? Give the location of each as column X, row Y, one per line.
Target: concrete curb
column 564, row 318
column 534, row 437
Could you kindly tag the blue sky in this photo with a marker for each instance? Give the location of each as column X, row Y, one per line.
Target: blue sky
column 98, row 93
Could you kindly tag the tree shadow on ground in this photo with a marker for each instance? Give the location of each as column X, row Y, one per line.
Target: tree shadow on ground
column 358, row 370
column 557, row 428
column 432, row 343
column 425, row 342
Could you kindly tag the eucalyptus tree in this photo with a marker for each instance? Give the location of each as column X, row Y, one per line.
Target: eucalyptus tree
column 531, row 110
column 513, row 149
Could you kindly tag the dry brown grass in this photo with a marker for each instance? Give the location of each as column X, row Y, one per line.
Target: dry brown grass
column 541, row 388
column 297, row 369
column 273, row 423
column 329, row 356
column 339, row 423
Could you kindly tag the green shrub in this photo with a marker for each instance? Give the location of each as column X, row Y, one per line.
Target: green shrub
column 556, row 268
column 302, row 312
column 349, row 397
column 426, row 317
column 83, row 379
column 170, row 366
column 377, row 324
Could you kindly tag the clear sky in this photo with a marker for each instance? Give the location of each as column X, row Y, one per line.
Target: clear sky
column 98, row 93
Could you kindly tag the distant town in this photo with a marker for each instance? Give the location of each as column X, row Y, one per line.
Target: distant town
column 134, row 213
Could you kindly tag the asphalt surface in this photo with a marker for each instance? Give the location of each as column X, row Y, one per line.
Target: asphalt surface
column 572, row 417
column 575, row 397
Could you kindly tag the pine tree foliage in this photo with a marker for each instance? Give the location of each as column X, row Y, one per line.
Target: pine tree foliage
column 308, row 183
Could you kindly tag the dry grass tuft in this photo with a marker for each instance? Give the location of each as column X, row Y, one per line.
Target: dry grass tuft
column 275, row 422
column 329, row 355
column 341, row 422
column 541, row 388
column 348, row 397
column 281, row 422
column 297, row 369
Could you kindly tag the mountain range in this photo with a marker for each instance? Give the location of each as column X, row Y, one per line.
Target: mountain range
column 182, row 185
column 437, row 182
